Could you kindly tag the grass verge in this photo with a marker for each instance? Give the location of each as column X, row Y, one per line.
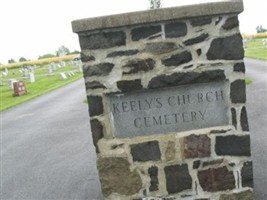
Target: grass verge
column 43, row 84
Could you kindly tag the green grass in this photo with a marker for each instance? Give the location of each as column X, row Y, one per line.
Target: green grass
column 248, row 81
column 255, row 49
column 43, row 84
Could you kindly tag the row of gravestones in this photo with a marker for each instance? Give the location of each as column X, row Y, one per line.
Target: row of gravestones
column 28, row 72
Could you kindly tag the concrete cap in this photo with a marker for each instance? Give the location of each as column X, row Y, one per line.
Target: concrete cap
column 156, row 15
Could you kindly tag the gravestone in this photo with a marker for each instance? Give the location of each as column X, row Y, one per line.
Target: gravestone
column 166, row 97
column 32, row 77
column 19, row 88
column 50, row 71
column 11, row 83
column 62, row 76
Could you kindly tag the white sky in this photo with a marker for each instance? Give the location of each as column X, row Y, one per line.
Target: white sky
column 30, row 28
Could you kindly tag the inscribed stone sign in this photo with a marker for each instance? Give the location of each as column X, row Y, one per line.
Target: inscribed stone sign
column 167, row 110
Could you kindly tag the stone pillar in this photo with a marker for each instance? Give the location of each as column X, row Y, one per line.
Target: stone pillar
column 166, row 96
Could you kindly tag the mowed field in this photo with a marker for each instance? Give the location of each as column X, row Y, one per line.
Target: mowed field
column 44, row 82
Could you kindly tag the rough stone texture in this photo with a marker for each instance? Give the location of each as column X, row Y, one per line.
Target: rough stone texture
column 144, row 32
column 227, row 48
column 131, row 85
column 147, row 151
column 247, row 175
column 95, row 105
column 102, row 40
column 246, row 195
column 177, row 79
column 178, row 59
column 200, row 21
column 238, row 91
column 86, row 58
column 212, row 162
column 239, row 67
column 94, row 85
column 196, row 164
column 234, row 119
column 178, row 178
column 244, row 119
column 233, row 145
column 195, row 40
column 153, row 173
column 231, row 23
column 170, row 151
column 135, row 66
column 175, row 29
column 160, row 47
column 216, row 179
column 102, row 69
column 116, row 177
column 196, row 146
column 219, row 131
column 122, row 53
column 97, row 132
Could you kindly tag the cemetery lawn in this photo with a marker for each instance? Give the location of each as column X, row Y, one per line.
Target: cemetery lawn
column 43, row 84
column 255, row 49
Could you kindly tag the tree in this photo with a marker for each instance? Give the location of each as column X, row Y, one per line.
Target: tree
column 48, row 55
column 62, row 51
column 11, row 61
column 260, row 29
column 155, row 4
column 22, row 59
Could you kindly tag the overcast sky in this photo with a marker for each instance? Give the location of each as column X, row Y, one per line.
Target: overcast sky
column 30, row 28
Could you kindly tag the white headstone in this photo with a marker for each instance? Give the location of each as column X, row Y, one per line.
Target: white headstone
column 62, row 76
column 10, row 83
column 32, row 77
column 4, row 73
column 50, row 71
column 79, row 67
column 6, row 70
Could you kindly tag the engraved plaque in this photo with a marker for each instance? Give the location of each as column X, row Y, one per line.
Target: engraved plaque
column 174, row 109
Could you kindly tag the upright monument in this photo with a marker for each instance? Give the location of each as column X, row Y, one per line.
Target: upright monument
column 166, row 96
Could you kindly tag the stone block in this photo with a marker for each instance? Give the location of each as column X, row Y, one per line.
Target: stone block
column 160, row 47
column 216, row 179
column 230, row 23
column 227, row 48
column 102, row 40
column 135, row 66
column 122, row 53
column 196, row 146
column 94, row 85
column 245, row 195
column 95, row 105
column 177, row 79
column 244, row 119
column 234, row 119
column 175, row 29
column 238, row 91
column 233, row 145
column 102, row 69
column 87, row 58
column 153, row 173
column 97, row 132
column 131, row 85
column 247, row 175
column 239, row 67
column 147, row 151
column 116, row 176
column 170, row 151
column 178, row 178
column 200, row 21
column 144, row 32
column 196, row 40
column 177, row 59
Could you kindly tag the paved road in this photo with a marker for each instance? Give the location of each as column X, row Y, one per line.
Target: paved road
column 47, row 151
column 257, row 115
